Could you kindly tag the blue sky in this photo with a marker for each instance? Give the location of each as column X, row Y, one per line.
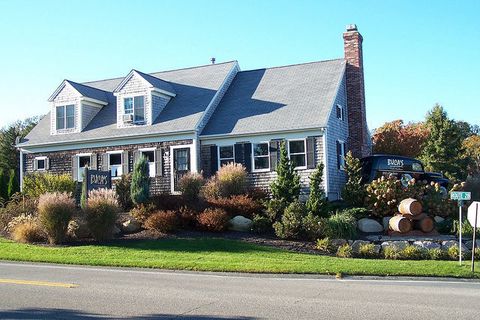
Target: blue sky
column 416, row 53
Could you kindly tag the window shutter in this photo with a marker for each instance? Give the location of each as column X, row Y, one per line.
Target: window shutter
column 47, row 163
column 239, row 153
column 274, row 153
column 136, row 156
column 339, row 151
column 213, row 159
column 93, row 161
column 158, row 162
column 125, row 165
column 75, row 168
column 105, row 162
column 247, row 148
column 310, row 152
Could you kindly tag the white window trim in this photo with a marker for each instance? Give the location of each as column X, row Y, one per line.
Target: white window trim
column 154, row 149
column 133, row 95
column 193, row 163
column 64, row 106
column 304, row 152
column 218, row 154
column 45, row 159
column 342, row 155
column 121, row 164
column 342, row 112
column 78, row 155
column 268, row 156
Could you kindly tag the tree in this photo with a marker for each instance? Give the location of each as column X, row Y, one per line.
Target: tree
column 472, row 153
column 443, row 151
column 400, row 139
column 354, row 191
column 317, row 202
column 286, row 187
column 3, row 185
column 140, row 186
column 13, row 186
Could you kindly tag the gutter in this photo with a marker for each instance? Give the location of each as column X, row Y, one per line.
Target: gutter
column 228, row 135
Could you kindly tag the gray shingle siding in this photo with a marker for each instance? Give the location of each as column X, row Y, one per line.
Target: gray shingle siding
column 337, row 129
column 88, row 113
column 158, row 103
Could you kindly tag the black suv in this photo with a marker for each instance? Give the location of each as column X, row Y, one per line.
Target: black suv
column 404, row 168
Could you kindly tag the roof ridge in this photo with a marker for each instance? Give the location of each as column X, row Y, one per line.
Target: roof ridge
column 86, row 85
column 151, row 73
column 294, row 64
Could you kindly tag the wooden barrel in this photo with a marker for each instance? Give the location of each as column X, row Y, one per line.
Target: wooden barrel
column 400, row 223
column 410, row 206
column 427, row 224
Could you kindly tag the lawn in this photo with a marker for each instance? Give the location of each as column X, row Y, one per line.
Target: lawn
column 209, row 254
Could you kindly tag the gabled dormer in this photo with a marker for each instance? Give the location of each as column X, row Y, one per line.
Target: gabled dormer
column 141, row 98
column 73, row 106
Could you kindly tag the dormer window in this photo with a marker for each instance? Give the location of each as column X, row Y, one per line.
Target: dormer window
column 65, row 117
column 134, row 109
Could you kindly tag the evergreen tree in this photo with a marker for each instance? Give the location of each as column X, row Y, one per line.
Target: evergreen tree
column 140, row 182
column 13, row 186
column 443, row 151
column 317, row 203
column 3, row 185
column 354, row 191
column 286, row 187
column 84, row 194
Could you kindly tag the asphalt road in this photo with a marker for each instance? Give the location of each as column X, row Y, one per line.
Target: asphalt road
column 42, row 291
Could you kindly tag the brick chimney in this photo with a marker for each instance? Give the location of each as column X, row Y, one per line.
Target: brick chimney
column 359, row 136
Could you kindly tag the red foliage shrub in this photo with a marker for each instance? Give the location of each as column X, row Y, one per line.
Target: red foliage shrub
column 237, row 205
column 162, row 221
column 187, row 217
column 213, row 219
column 167, row 201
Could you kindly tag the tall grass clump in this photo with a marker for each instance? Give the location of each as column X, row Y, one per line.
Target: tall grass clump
column 54, row 212
column 101, row 213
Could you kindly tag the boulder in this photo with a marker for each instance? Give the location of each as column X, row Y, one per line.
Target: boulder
column 338, row 242
column 356, row 245
column 116, row 231
column 369, row 225
column 438, row 219
column 469, row 244
column 385, row 222
column 427, row 245
column 399, row 245
column 78, row 229
column 450, row 243
column 130, row 226
column 240, row 223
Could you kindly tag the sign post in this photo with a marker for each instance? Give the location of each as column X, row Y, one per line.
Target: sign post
column 473, row 219
column 460, row 197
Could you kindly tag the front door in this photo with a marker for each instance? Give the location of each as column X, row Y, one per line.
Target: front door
column 181, row 165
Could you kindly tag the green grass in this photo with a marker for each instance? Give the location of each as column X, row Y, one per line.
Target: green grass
column 207, row 254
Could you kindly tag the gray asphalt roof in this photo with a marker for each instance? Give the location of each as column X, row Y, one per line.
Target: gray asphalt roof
column 195, row 88
column 281, row 98
column 90, row 92
column 156, row 82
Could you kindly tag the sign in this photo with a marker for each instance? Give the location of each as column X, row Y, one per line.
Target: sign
column 473, row 209
column 460, row 195
column 97, row 179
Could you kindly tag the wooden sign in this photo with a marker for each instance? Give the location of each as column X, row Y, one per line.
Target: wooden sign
column 97, row 179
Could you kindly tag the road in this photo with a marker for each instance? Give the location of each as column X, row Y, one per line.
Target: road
column 43, row 291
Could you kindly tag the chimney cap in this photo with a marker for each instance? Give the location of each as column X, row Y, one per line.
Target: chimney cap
column 352, row 27
column 212, row 60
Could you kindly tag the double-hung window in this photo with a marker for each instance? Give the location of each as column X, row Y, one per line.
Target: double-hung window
column 40, row 163
column 65, row 116
column 261, row 156
column 297, row 153
column 150, row 155
column 83, row 162
column 340, row 112
column 115, row 164
column 226, row 155
column 136, row 107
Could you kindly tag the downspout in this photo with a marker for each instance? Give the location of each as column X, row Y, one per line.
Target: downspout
column 326, row 164
column 21, row 170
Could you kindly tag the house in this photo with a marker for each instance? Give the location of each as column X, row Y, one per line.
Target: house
column 198, row 119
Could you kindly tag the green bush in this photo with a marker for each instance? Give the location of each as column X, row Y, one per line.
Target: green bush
column 140, row 186
column 313, row 226
column 325, row 245
column 290, row 225
column 413, row 253
column 345, row 251
column 35, row 184
column 286, row 187
column 261, row 224
column 354, row 191
column 317, row 203
column 3, row 185
column 367, row 251
column 477, row 254
column 391, row 252
column 162, row 221
column 341, row 225
column 190, row 185
column 101, row 213
column 229, row 180
column 13, row 186
column 275, row 208
column 437, row 254
column 122, row 188
column 453, row 253
column 54, row 212
column 358, row 213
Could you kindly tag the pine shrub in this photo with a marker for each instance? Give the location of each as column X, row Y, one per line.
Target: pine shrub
column 317, row 203
column 101, row 213
column 54, row 212
column 354, row 191
column 290, row 225
column 286, row 187
column 140, row 187
column 261, row 224
column 13, row 186
column 313, row 226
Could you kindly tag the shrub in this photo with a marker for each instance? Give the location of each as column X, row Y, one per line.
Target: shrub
column 345, row 251
column 3, row 185
column 436, row 254
column 477, row 254
column 213, row 219
column 13, row 186
column 275, row 209
column 142, row 212
column 358, row 213
column 341, row 225
column 28, row 231
column 325, row 245
column 140, row 186
column 35, row 184
column 391, row 252
column 18, row 205
column 286, row 186
column 122, row 188
column 101, row 213
column 313, row 226
column 317, row 203
column 453, row 253
column 54, row 212
column 237, row 205
column 290, row 225
column 261, row 224
column 167, row 201
column 354, row 191
column 413, row 253
column 367, row 251
column 84, row 193
column 187, row 217
column 257, row 194
column 383, row 194
column 230, row 180
column 162, row 221
column 190, row 185
column 210, row 189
